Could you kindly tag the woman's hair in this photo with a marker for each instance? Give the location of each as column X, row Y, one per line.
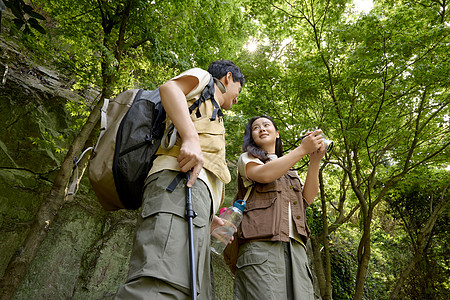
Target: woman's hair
column 252, row 148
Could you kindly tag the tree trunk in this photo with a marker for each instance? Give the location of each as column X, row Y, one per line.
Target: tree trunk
column 20, row 262
column 327, row 295
column 318, row 265
column 363, row 260
column 405, row 273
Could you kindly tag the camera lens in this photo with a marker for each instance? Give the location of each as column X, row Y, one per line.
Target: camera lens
column 328, row 144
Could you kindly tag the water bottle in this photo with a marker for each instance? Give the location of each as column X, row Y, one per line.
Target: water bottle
column 232, row 217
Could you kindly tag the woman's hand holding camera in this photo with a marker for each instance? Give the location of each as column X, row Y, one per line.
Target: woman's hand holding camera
column 313, row 141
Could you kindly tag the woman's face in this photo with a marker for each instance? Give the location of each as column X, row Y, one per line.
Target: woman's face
column 264, row 134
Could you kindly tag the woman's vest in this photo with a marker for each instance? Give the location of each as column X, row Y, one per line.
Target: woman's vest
column 212, row 140
column 266, row 216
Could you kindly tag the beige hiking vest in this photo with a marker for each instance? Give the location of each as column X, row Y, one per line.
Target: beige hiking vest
column 212, row 141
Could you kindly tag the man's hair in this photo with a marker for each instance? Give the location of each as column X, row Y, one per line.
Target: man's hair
column 220, row 68
column 252, row 148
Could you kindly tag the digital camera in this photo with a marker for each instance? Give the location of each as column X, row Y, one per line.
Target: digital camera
column 328, row 143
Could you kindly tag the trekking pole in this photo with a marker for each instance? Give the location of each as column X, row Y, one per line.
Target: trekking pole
column 190, row 214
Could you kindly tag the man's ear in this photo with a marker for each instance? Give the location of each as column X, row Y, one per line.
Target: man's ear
column 229, row 78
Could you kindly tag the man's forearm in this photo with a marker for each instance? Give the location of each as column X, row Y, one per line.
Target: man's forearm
column 175, row 105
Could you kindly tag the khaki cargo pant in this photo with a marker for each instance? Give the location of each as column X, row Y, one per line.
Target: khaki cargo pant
column 273, row 271
column 159, row 263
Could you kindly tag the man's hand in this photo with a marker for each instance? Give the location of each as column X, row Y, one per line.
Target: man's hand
column 218, row 222
column 191, row 159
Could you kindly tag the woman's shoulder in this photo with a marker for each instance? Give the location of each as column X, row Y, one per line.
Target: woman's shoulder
column 245, row 158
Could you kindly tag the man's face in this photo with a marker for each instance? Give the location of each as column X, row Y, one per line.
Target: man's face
column 230, row 96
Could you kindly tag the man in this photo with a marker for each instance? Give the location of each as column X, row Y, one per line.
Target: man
column 159, row 264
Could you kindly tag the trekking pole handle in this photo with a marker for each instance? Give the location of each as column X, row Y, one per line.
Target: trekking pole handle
column 189, row 212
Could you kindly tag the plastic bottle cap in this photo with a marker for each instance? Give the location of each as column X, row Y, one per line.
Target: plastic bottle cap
column 240, row 204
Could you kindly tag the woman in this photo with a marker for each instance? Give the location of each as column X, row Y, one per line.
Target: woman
column 272, row 261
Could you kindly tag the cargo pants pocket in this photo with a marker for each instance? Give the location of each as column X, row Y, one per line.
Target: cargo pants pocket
column 161, row 248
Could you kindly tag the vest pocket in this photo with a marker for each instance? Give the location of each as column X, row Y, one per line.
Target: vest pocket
column 267, row 190
column 211, row 135
column 259, row 220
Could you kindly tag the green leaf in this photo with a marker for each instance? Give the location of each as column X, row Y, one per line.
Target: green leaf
column 27, row 8
column 17, row 12
column 19, row 23
column 36, row 15
column 9, row 3
column 37, row 26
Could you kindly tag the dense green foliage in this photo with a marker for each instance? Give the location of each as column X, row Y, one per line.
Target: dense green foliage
column 25, row 17
column 376, row 83
column 140, row 42
column 412, row 204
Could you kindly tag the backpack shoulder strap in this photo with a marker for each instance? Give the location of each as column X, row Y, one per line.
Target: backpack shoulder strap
column 73, row 187
column 170, row 134
column 207, row 93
